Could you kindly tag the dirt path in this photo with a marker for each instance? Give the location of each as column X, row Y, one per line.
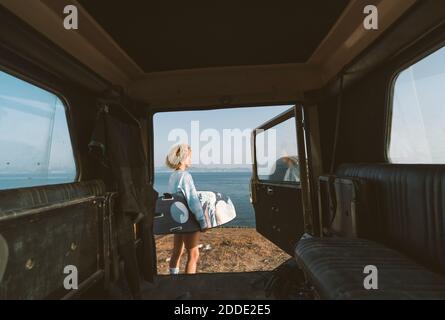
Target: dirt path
column 227, row 250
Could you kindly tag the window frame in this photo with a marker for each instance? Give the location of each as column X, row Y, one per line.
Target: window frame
column 277, row 120
column 67, row 107
column 391, row 89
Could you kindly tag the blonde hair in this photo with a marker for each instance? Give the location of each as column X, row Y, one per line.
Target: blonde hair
column 176, row 155
column 293, row 159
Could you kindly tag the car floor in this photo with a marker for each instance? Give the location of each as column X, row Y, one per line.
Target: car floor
column 201, row 286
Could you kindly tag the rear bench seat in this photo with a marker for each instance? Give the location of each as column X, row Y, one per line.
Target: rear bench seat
column 409, row 252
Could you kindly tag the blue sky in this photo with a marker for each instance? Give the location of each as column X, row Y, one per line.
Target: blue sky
column 234, row 118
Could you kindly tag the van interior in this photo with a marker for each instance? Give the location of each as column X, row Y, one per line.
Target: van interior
column 367, row 107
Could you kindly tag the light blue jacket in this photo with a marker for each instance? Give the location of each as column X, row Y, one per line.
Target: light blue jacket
column 183, row 181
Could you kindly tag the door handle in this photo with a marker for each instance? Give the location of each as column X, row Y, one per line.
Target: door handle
column 269, row 191
column 158, row 215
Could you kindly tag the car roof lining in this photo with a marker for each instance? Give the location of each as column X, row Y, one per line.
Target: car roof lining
column 210, row 86
column 160, row 36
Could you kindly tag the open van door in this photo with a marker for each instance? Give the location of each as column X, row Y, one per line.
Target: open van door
column 279, row 179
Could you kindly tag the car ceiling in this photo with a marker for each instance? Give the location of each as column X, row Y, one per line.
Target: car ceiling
column 205, row 54
column 165, row 36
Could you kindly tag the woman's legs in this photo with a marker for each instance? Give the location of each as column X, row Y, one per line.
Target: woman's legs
column 178, row 249
column 191, row 242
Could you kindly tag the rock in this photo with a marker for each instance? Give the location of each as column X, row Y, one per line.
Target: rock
column 226, row 243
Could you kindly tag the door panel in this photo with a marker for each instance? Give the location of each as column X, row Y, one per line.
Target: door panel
column 44, row 229
column 277, row 214
column 276, row 187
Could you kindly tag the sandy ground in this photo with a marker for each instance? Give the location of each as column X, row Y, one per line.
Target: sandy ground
column 227, row 250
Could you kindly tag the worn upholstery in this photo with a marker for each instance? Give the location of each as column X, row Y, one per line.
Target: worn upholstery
column 408, row 248
column 33, row 197
column 37, row 245
column 412, row 208
column 335, row 267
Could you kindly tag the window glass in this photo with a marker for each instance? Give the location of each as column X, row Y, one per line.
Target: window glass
column 276, row 153
column 34, row 138
column 418, row 113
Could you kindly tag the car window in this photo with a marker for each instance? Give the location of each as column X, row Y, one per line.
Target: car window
column 417, row 132
column 276, row 153
column 35, row 142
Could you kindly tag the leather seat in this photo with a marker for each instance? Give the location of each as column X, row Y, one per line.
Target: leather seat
column 411, row 202
column 408, row 249
column 335, row 267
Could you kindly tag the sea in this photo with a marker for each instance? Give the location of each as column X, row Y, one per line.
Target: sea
column 234, row 184
column 26, row 180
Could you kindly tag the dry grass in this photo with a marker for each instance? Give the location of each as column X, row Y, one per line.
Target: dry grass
column 227, row 250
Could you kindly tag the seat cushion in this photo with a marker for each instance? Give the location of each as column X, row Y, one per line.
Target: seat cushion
column 411, row 201
column 335, row 266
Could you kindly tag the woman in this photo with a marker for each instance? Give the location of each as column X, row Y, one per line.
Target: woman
column 179, row 159
column 293, row 169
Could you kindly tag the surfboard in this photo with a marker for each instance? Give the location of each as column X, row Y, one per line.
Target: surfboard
column 174, row 216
